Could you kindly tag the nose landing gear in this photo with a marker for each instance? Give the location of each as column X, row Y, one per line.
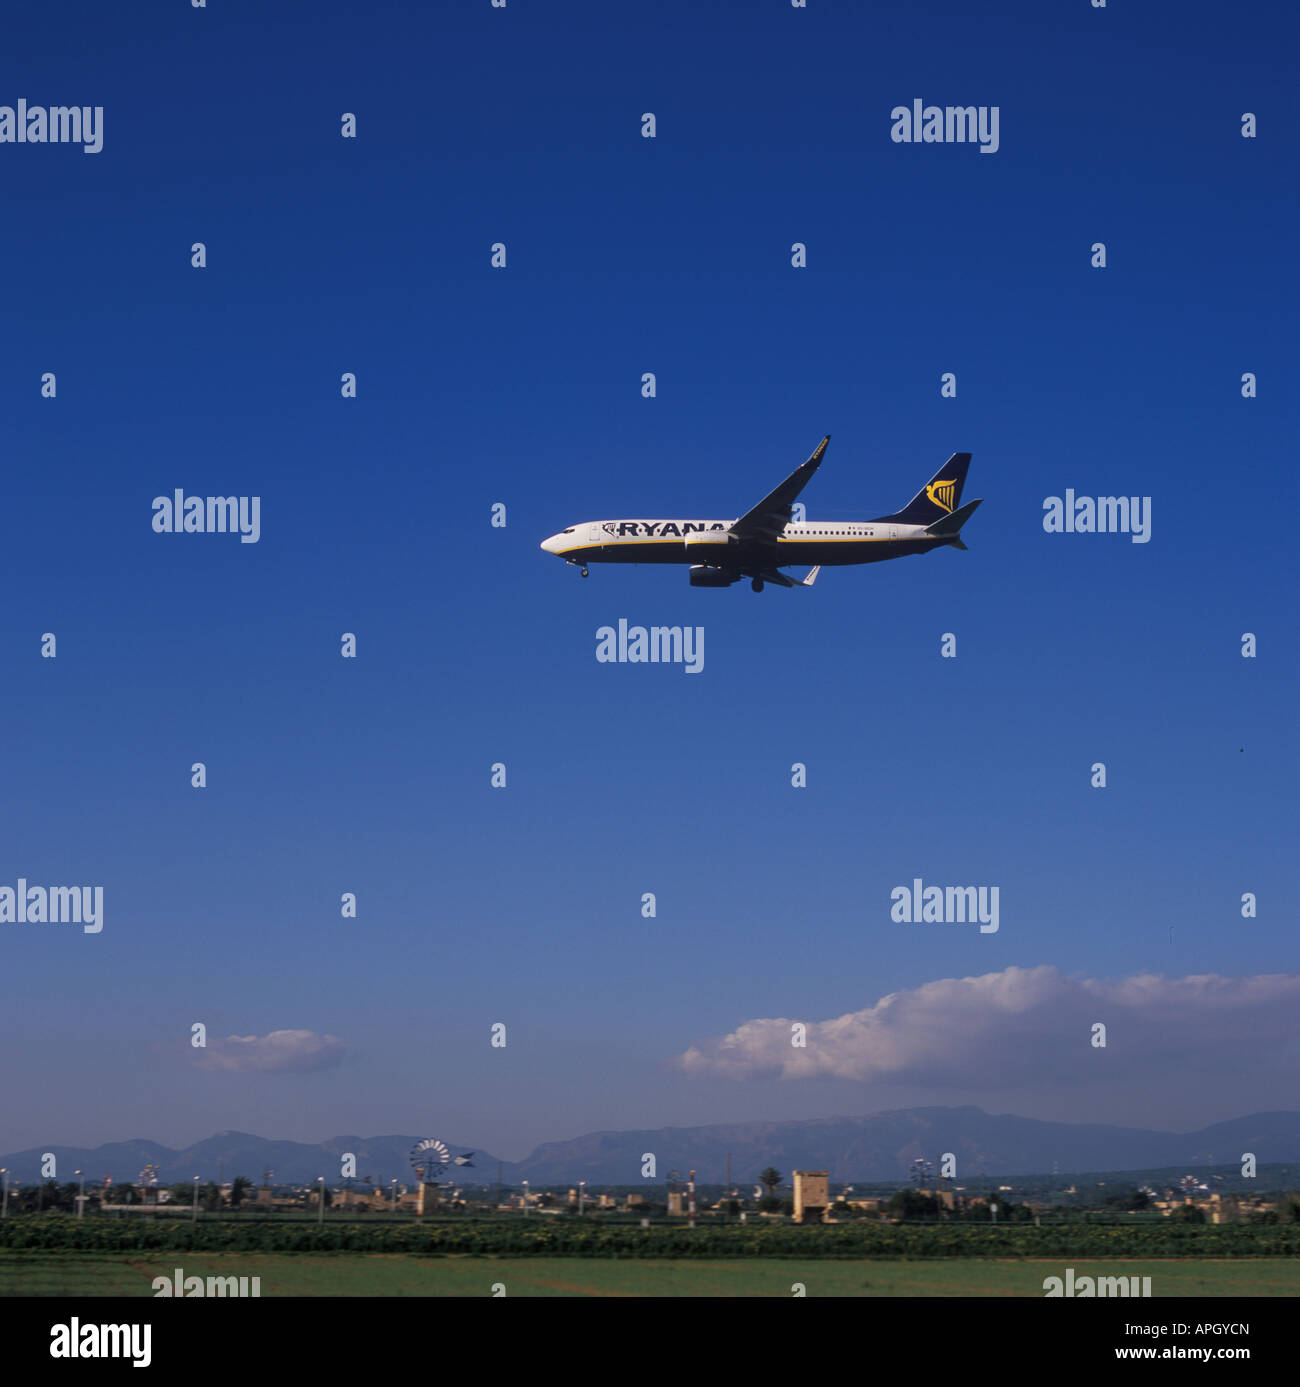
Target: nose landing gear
column 583, row 570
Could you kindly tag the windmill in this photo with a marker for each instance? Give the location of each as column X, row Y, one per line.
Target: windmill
column 429, row 1159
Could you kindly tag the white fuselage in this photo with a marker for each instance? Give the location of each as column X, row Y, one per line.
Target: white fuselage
column 710, row 542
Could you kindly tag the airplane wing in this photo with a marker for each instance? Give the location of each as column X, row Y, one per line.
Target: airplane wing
column 782, row 580
column 767, row 519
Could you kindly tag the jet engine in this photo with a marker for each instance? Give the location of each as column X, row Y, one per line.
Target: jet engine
column 705, row 575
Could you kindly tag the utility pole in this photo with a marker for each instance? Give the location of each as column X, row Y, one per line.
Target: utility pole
column 194, row 1212
column 320, row 1182
column 730, row 1191
column 691, row 1188
column 4, row 1208
column 498, row 1184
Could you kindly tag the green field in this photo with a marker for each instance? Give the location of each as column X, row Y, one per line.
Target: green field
column 350, row 1274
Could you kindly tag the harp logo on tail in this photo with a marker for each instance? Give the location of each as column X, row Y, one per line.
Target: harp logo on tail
column 941, row 494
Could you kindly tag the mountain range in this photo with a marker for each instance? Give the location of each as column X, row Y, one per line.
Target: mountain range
column 879, row 1146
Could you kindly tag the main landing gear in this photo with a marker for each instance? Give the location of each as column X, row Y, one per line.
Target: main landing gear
column 583, row 570
column 757, row 585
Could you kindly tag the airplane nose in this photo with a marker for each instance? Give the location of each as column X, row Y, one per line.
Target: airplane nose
column 552, row 545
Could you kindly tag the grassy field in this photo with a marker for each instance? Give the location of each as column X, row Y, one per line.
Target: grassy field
column 345, row 1274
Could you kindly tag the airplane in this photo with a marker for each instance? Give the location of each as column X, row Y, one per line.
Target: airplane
column 764, row 540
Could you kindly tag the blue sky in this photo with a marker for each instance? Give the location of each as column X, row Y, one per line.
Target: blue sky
column 522, row 386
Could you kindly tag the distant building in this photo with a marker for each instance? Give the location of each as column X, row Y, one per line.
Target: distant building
column 947, row 1199
column 811, row 1195
column 363, row 1198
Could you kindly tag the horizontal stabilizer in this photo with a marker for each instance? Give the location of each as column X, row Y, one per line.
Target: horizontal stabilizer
column 950, row 525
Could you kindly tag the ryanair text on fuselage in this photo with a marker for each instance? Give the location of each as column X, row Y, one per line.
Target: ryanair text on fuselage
column 765, row 539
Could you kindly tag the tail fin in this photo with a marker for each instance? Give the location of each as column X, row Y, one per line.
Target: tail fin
column 939, row 497
column 949, row 526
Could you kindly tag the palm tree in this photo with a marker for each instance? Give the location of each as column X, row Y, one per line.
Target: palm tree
column 239, row 1187
column 770, row 1179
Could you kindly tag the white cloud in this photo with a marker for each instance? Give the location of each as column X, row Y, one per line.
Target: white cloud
column 279, row 1052
column 1024, row 1025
